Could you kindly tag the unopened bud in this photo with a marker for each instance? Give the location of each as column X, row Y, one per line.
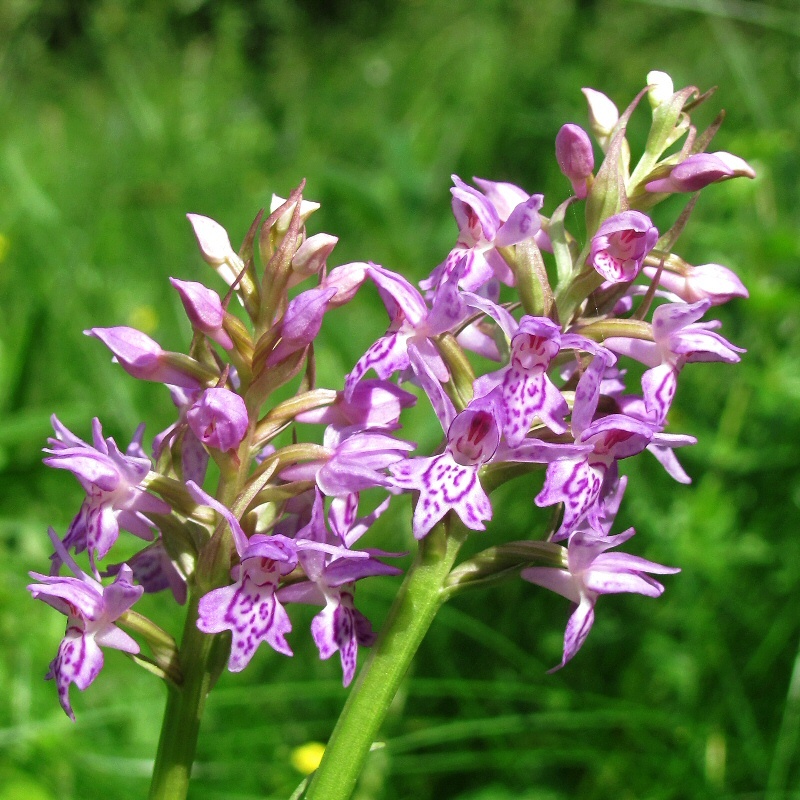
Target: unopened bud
column 701, row 169
column 204, row 309
column 659, row 88
column 311, row 256
column 301, row 322
column 711, row 282
column 143, row 358
column 215, row 247
column 603, row 115
column 575, row 156
column 307, row 208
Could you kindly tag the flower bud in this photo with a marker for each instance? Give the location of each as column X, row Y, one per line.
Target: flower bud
column 311, row 256
column 219, row 419
column 204, row 309
column 347, row 280
column 621, row 244
column 603, row 115
column 711, row 282
column 143, row 358
column 575, row 157
column 701, row 169
column 215, row 247
column 301, row 322
column 307, row 208
column 659, row 88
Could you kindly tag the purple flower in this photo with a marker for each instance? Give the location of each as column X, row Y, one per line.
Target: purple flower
column 412, row 323
column 575, row 157
column 373, row 404
column 112, row 481
column 91, row 610
column 620, row 245
column 355, row 460
column 449, row 481
column 678, row 340
column 219, row 419
column 582, row 482
column 501, row 215
column 591, row 571
column 154, row 571
column 249, row 608
column 701, row 169
column 332, row 574
column 523, row 390
column 204, row 309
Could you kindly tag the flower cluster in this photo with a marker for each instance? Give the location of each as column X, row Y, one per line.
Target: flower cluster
column 519, row 340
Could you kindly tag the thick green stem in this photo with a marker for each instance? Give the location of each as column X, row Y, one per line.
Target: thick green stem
column 199, row 658
column 409, row 619
column 201, row 655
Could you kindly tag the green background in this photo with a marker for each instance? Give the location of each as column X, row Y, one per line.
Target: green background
column 116, row 118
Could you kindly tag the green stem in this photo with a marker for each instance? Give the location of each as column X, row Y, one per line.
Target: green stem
column 409, row 619
column 199, row 659
column 201, row 655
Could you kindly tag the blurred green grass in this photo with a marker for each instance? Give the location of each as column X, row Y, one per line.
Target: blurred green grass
column 118, row 117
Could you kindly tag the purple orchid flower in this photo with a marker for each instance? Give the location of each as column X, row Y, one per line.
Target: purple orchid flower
column 218, row 418
column 91, row 610
column 154, row 570
column 356, row 460
column 248, row 608
column 620, row 245
column 339, row 627
column 112, row 481
column 678, row 339
column 412, row 323
column 449, row 481
column 374, row 404
column 579, row 482
column 522, row 391
column 500, row 216
column 590, row 571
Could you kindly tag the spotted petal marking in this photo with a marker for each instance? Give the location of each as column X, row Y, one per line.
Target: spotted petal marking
column 386, row 356
column 252, row 613
column 443, row 485
column 576, row 484
column 527, row 395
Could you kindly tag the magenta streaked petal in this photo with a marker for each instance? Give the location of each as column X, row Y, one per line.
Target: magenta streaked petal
column 578, row 627
column 251, row 613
